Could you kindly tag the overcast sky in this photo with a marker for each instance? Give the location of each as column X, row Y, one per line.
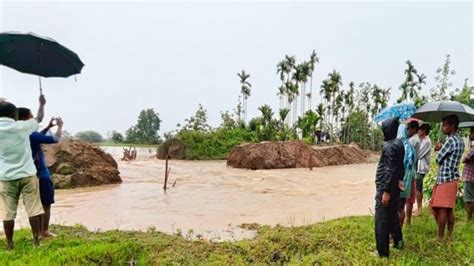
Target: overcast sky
column 173, row 56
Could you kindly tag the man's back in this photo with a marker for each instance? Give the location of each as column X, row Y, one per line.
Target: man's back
column 15, row 153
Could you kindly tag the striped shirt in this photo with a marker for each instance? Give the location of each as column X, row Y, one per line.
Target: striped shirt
column 448, row 159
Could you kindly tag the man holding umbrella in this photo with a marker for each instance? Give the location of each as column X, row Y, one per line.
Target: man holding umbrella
column 444, row 192
column 17, row 170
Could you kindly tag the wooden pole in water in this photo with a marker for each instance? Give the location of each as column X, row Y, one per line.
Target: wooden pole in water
column 166, row 172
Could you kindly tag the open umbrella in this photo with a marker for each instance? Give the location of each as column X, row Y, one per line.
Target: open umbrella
column 402, row 111
column 41, row 56
column 436, row 111
column 468, row 124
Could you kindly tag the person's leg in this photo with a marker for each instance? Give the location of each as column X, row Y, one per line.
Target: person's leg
column 47, row 198
column 419, row 195
column 32, row 201
column 45, row 221
column 9, row 196
column 451, row 220
column 442, row 216
column 409, row 210
column 470, row 210
column 382, row 232
column 394, row 223
column 8, row 227
column 401, row 211
column 35, row 223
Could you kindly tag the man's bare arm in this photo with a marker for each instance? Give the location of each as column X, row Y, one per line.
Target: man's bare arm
column 40, row 113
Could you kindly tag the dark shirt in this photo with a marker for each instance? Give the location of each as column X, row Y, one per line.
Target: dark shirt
column 36, row 139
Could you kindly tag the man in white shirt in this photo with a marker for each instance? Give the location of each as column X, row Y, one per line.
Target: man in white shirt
column 17, row 170
column 424, row 162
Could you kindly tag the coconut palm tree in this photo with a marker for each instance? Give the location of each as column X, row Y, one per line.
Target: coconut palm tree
column 313, row 59
column 245, row 90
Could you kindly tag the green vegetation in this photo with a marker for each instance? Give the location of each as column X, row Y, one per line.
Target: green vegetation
column 344, row 241
column 345, row 112
column 89, row 136
column 146, row 129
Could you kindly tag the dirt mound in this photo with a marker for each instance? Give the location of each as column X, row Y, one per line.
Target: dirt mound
column 293, row 154
column 75, row 163
column 173, row 147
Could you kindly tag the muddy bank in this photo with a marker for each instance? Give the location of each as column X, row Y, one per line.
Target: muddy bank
column 75, row 163
column 294, row 154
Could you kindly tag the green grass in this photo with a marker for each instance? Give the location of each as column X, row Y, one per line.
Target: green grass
column 344, row 241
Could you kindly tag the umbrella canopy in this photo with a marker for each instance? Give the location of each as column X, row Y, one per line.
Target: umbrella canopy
column 402, row 111
column 436, row 111
column 466, row 124
column 33, row 54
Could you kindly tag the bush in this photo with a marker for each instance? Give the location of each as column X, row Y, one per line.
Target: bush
column 213, row 145
column 89, row 136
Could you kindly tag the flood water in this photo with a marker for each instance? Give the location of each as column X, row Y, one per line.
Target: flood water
column 212, row 199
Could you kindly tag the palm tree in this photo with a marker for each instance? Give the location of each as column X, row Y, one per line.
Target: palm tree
column 313, row 59
column 245, row 90
column 293, row 92
column 335, row 81
column 281, row 93
column 349, row 102
column 326, row 95
column 320, row 113
column 300, row 77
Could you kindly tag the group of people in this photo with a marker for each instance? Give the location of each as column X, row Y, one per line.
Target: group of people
column 404, row 162
column 23, row 168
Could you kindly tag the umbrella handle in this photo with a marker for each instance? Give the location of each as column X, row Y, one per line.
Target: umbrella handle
column 41, row 88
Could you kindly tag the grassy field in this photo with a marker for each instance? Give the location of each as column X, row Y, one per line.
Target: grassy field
column 344, row 241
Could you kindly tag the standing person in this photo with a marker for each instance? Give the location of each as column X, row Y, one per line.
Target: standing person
column 448, row 158
column 387, row 182
column 45, row 183
column 409, row 167
column 424, row 162
column 17, row 170
column 414, row 141
column 468, row 178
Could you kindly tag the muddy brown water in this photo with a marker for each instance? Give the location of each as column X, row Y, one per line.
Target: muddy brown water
column 212, row 200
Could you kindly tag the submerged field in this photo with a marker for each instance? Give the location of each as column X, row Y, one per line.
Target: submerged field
column 343, row 241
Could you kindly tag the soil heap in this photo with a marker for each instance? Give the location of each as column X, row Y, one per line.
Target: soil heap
column 293, row 154
column 75, row 163
column 173, row 147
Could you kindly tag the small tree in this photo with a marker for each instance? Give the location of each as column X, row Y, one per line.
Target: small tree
column 146, row 129
column 117, row 137
column 198, row 122
column 89, row 136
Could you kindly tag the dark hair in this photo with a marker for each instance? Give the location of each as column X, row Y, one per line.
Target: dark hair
column 452, row 120
column 8, row 110
column 23, row 113
column 426, row 128
column 414, row 125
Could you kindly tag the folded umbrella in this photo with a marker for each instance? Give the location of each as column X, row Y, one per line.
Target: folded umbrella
column 41, row 56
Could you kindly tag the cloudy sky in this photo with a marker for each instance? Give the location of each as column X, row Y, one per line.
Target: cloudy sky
column 174, row 56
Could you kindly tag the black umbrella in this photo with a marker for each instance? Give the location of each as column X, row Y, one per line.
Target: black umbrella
column 41, row 56
column 436, row 111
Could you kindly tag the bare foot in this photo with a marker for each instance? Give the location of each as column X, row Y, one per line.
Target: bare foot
column 36, row 242
column 10, row 246
column 48, row 235
column 417, row 213
column 440, row 239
